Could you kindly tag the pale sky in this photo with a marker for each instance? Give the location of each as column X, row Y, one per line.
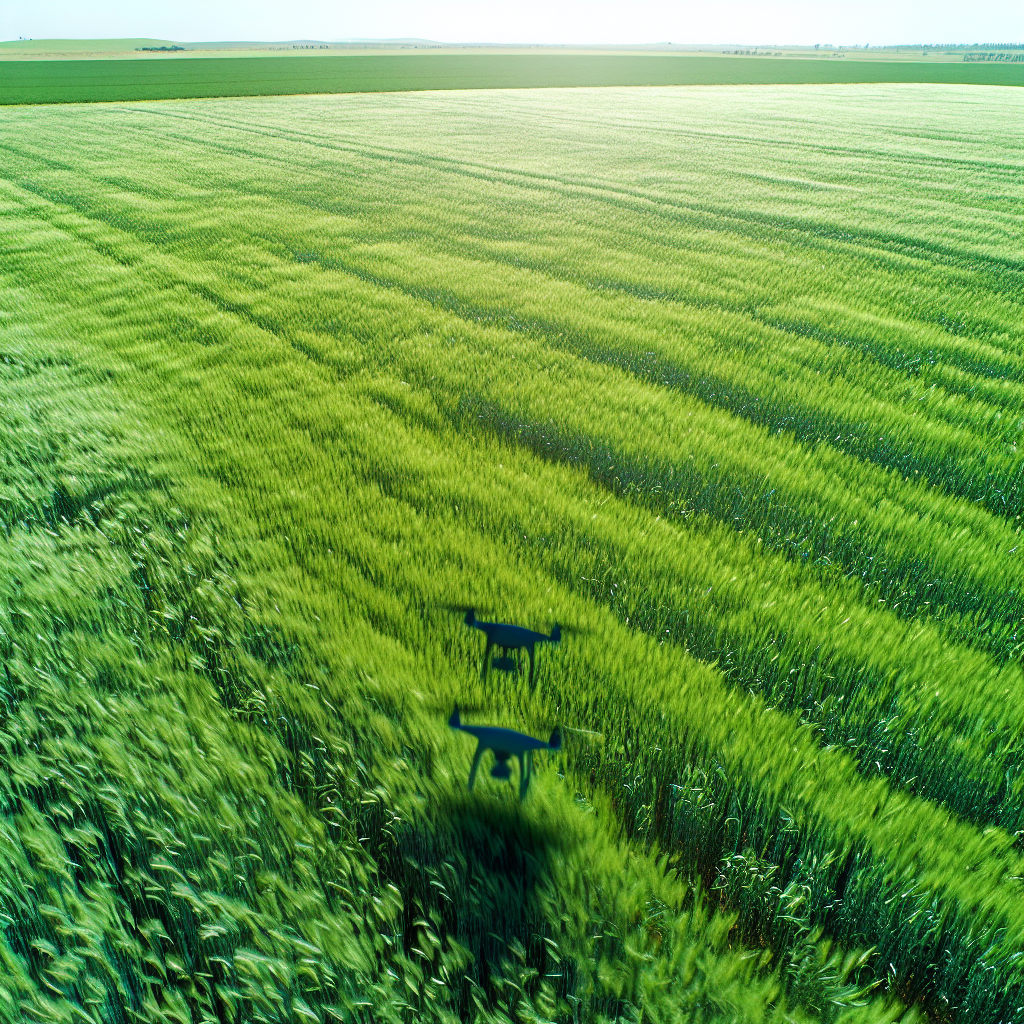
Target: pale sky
column 798, row 22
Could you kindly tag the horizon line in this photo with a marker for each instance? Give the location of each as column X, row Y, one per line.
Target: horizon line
column 437, row 42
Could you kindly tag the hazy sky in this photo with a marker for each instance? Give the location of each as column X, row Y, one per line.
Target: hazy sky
column 849, row 23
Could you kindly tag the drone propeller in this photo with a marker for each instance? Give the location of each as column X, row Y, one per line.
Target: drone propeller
column 473, row 612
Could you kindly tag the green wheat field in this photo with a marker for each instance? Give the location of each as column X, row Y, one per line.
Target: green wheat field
column 726, row 381
column 82, row 81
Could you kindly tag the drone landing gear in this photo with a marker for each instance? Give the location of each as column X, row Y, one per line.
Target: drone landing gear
column 505, row 663
column 501, row 769
column 508, row 662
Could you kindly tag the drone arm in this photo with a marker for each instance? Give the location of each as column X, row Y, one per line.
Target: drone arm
column 480, row 748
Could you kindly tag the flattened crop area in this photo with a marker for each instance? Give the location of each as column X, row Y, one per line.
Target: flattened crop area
column 731, row 380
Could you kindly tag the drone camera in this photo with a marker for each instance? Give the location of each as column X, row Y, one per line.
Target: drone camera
column 501, row 769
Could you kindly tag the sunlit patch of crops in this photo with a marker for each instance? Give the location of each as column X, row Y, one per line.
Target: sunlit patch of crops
column 742, row 401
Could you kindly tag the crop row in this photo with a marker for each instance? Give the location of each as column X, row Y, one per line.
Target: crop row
column 369, row 531
column 607, row 330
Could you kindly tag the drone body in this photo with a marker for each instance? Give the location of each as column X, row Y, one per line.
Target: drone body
column 510, row 638
column 505, row 743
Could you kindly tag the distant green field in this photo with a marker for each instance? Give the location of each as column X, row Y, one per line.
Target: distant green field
column 729, row 379
column 99, row 81
column 84, row 45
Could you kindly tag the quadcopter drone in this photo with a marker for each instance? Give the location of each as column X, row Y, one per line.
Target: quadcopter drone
column 510, row 638
column 505, row 743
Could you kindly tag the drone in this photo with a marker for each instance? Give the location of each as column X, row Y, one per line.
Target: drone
column 505, row 743
column 510, row 638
